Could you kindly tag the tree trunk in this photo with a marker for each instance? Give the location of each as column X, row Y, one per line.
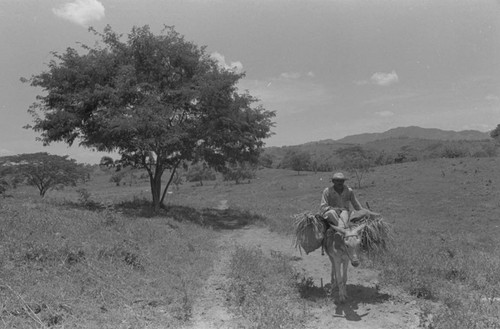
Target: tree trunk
column 173, row 172
column 156, row 191
column 155, row 181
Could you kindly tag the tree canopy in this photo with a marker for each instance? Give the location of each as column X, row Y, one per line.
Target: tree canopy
column 157, row 100
column 42, row 170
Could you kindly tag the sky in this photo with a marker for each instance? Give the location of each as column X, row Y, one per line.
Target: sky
column 328, row 68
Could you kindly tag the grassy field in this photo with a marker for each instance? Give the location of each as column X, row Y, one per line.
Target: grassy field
column 64, row 265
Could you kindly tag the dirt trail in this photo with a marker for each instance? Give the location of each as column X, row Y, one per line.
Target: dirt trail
column 367, row 306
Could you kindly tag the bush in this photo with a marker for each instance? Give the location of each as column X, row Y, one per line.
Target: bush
column 486, row 150
column 117, row 177
column 455, row 151
column 4, row 185
column 239, row 172
column 200, row 172
column 297, row 161
column 266, row 160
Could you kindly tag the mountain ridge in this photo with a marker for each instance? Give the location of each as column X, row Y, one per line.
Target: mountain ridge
column 410, row 132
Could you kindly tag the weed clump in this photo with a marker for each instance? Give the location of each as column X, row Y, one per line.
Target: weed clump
column 124, row 254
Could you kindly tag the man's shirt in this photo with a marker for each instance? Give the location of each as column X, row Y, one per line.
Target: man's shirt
column 332, row 198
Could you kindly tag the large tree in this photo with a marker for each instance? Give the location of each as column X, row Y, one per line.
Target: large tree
column 158, row 100
column 42, row 170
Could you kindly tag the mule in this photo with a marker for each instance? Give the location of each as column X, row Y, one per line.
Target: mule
column 342, row 246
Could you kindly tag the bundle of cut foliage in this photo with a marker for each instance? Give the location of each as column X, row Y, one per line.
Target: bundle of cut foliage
column 377, row 235
column 309, row 231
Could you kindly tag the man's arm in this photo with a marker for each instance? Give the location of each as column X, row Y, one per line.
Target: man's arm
column 324, row 202
column 354, row 201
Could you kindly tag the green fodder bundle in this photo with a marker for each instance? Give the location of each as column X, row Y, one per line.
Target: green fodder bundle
column 377, row 235
column 309, row 231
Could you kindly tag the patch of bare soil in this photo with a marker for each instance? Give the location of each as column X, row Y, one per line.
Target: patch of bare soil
column 368, row 306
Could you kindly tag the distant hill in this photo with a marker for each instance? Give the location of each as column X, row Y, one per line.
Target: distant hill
column 416, row 132
column 415, row 142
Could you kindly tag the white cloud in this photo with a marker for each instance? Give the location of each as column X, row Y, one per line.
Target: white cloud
column 290, row 75
column 233, row 66
column 492, row 98
column 81, row 12
column 384, row 79
column 385, row 113
column 296, row 75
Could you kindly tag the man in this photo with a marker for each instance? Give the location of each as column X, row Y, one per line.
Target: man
column 336, row 201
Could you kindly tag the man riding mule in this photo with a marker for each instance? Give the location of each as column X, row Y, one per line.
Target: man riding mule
column 341, row 232
column 342, row 239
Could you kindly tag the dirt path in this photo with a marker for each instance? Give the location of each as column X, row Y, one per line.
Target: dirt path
column 367, row 306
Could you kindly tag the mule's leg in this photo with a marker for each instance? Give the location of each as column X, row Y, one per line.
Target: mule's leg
column 333, row 282
column 345, row 264
column 340, row 283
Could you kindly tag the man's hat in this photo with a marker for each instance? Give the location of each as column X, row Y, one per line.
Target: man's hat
column 338, row 176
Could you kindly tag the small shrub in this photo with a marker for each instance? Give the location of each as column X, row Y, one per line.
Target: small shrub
column 454, row 151
column 85, row 201
column 421, row 291
column 35, row 253
column 83, row 195
column 456, row 275
column 53, row 319
column 73, row 258
column 4, row 185
column 117, row 177
column 123, row 254
column 239, row 172
column 200, row 172
column 305, row 287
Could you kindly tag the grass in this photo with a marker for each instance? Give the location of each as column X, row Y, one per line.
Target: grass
column 447, row 243
column 67, row 267
column 63, row 265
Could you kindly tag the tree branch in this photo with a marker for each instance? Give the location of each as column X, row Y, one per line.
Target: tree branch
column 174, row 168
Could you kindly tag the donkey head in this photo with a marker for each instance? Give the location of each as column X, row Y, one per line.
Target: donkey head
column 349, row 240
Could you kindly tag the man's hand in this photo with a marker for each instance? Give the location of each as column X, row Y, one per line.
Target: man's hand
column 338, row 210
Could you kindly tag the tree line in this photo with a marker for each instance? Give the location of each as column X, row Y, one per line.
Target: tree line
column 358, row 159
